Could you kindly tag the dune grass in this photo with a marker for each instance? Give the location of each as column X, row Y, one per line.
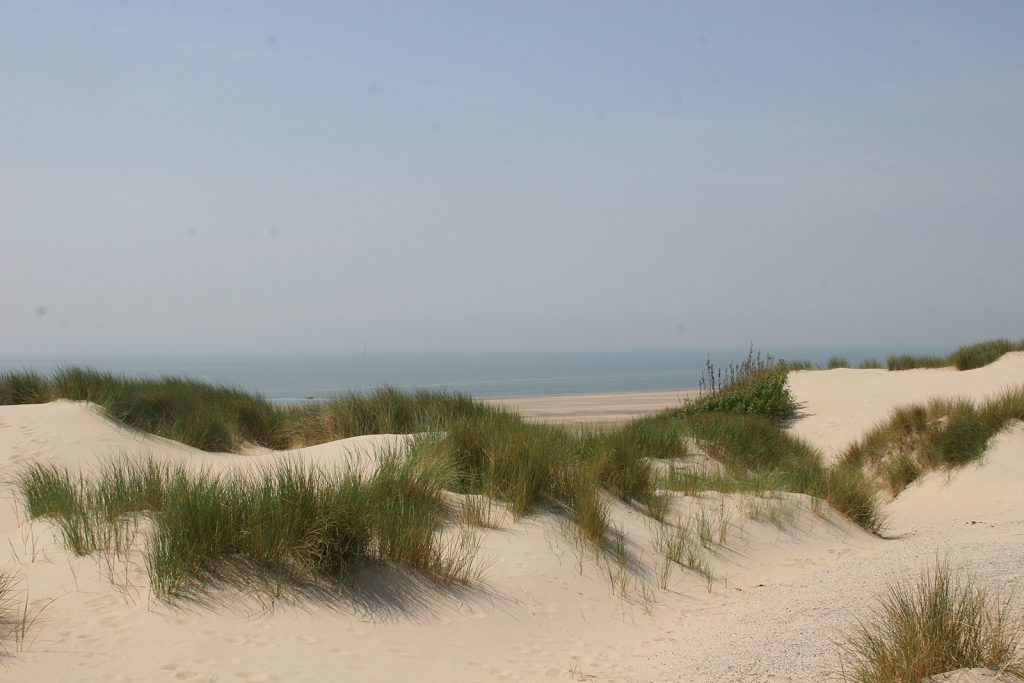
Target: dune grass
column 288, row 523
column 759, row 456
column 837, row 362
column 942, row 434
column 23, row 387
column 940, row 623
column 218, row 418
column 8, row 610
column 964, row 358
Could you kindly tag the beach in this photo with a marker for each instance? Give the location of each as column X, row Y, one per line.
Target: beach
column 595, row 410
column 784, row 582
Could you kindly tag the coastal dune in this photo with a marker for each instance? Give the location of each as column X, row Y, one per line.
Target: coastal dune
column 784, row 581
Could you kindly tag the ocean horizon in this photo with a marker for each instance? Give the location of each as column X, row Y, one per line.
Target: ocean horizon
column 288, row 378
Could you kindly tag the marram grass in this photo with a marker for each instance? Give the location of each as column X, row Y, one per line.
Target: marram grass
column 286, row 522
column 942, row 434
column 964, row 358
column 941, row 623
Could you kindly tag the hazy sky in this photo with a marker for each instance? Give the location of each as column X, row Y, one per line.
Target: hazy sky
column 250, row 176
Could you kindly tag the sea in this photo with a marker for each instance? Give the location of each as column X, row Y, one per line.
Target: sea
column 296, row 378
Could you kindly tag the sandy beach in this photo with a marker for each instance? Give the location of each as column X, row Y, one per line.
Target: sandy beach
column 544, row 607
column 594, row 410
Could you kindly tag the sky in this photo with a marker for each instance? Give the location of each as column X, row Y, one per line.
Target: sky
column 197, row 177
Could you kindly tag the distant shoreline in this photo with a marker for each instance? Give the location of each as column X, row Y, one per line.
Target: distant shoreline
column 596, row 409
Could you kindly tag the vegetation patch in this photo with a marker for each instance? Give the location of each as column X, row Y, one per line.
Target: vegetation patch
column 964, row 358
column 288, row 523
column 940, row 623
column 942, row 434
column 760, row 456
column 217, row 418
column 756, row 386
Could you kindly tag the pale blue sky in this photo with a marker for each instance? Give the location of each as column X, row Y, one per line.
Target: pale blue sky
column 250, row 176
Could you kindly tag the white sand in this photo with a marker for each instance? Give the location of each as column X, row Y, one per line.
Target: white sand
column 542, row 610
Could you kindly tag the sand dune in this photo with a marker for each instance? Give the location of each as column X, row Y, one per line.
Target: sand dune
column 544, row 609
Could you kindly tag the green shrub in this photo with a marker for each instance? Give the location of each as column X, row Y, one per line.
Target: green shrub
column 764, row 393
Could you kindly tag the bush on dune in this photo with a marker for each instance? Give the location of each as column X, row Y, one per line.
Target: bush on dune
column 756, row 386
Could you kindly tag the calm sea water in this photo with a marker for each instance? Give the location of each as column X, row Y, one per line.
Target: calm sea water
column 289, row 378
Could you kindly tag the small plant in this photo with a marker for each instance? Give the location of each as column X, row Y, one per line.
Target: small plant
column 17, row 617
column 940, row 623
column 704, row 530
column 478, row 511
column 837, row 362
column 773, row 509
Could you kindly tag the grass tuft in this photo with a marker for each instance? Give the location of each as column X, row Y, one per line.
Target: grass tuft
column 940, row 623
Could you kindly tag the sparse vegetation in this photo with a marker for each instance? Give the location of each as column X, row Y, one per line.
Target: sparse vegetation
column 943, row 622
column 758, row 456
column 837, row 362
